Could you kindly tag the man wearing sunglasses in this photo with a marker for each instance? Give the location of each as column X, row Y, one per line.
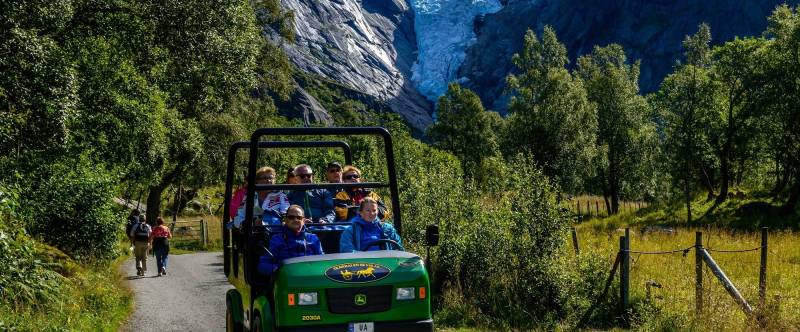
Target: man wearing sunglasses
column 347, row 201
column 291, row 241
column 333, row 172
column 317, row 204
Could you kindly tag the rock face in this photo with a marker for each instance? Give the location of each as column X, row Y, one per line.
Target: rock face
column 648, row 30
column 367, row 45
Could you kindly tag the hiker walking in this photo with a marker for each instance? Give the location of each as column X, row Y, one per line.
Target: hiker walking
column 141, row 243
column 160, row 242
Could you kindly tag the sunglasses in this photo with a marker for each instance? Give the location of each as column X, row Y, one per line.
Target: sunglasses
column 294, row 217
column 352, row 177
column 304, row 176
column 265, row 178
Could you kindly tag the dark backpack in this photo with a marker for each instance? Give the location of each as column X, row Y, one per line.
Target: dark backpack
column 132, row 221
column 142, row 232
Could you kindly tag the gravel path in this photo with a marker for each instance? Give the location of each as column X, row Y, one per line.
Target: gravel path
column 190, row 298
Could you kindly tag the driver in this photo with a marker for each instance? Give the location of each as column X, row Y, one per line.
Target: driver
column 367, row 228
column 291, row 241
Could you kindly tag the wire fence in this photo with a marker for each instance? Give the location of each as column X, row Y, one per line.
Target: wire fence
column 623, row 263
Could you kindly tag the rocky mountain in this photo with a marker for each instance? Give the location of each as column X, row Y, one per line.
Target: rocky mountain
column 648, row 30
column 367, row 45
column 405, row 52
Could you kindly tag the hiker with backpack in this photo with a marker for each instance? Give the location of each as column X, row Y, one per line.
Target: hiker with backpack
column 140, row 233
column 133, row 219
column 159, row 240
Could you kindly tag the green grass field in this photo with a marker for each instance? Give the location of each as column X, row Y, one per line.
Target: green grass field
column 672, row 305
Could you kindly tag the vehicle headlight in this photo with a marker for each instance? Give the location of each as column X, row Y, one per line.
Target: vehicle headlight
column 405, row 293
column 307, row 298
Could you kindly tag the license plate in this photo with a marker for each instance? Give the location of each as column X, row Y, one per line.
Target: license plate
column 362, row 327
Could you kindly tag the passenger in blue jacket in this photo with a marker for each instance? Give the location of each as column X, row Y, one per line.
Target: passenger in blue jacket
column 367, row 228
column 317, row 204
column 291, row 241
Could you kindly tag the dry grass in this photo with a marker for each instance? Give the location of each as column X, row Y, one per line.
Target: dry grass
column 673, row 305
column 595, row 206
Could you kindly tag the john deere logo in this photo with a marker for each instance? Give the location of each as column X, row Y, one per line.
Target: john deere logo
column 357, row 272
column 360, row 299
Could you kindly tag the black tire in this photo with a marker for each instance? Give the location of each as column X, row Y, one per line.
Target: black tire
column 256, row 323
column 230, row 324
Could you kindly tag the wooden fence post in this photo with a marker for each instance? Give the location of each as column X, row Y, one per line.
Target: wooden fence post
column 588, row 209
column 625, row 271
column 762, row 273
column 204, row 232
column 597, row 207
column 723, row 279
column 698, row 274
column 575, row 241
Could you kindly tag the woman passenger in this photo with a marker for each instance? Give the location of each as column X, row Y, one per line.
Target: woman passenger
column 270, row 205
column 367, row 228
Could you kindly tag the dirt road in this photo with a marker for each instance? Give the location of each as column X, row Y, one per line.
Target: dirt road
column 191, row 297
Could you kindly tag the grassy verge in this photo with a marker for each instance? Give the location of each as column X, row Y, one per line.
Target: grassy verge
column 670, row 302
column 91, row 297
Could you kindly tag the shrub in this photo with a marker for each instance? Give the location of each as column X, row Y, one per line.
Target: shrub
column 504, row 256
column 25, row 276
column 72, row 209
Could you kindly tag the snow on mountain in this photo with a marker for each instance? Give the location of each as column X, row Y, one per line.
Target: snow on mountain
column 444, row 29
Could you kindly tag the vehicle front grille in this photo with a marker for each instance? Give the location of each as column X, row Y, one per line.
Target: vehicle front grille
column 343, row 300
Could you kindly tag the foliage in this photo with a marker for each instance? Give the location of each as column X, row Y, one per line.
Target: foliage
column 71, row 208
column 26, row 278
column 686, row 103
column 626, row 137
column 90, row 299
column 552, row 119
column 463, row 129
column 783, row 94
column 503, row 256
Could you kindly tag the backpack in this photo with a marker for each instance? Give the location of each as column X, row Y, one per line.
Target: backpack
column 132, row 221
column 142, row 232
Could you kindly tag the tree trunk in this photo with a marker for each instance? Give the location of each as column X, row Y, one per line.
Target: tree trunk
column 781, row 181
column 791, row 203
column 687, row 192
column 724, row 173
column 613, row 179
column 707, row 179
column 154, row 196
column 154, row 203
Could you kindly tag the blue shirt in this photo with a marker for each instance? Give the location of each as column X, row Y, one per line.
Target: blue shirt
column 288, row 244
column 357, row 236
column 316, row 203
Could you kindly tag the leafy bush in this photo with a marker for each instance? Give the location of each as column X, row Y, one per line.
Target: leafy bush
column 506, row 257
column 72, row 209
column 25, row 276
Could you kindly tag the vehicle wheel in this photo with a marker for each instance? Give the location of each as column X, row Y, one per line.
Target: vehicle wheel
column 256, row 323
column 230, row 324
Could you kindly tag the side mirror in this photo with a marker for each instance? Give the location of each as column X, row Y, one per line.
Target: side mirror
column 432, row 235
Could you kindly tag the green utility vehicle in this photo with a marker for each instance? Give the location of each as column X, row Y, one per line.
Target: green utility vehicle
column 384, row 290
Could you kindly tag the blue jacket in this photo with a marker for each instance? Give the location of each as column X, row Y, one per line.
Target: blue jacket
column 287, row 244
column 316, row 203
column 361, row 233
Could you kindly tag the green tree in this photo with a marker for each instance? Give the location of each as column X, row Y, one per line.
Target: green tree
column 551, row 116
column 686, row 101
column 738, row 68
column 37, row 83
column 784, row 94
column 626, row 136
column 463, row 128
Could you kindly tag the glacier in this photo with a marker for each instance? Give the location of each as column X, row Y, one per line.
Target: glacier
column 444, row 30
